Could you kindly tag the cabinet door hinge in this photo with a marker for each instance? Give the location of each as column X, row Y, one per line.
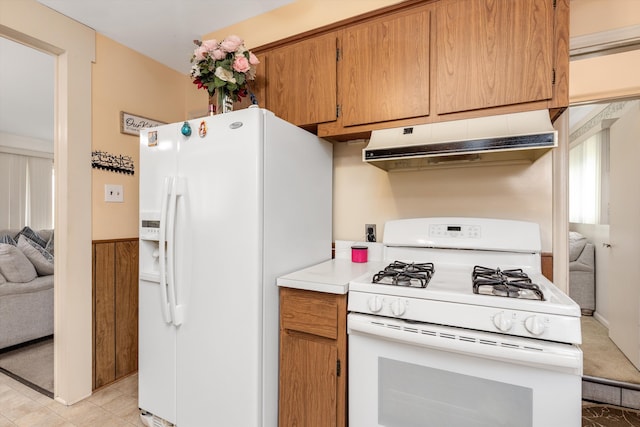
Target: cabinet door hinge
column 338, row 368
column 553, row 76
column 554, row 3
column 337, row 54
column 338, row 110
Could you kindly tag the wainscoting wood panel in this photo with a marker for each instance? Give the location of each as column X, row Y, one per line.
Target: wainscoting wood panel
column 115, row 310
column 126, row 303
column 103, row 303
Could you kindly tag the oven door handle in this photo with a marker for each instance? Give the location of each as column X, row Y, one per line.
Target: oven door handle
column 555, row 357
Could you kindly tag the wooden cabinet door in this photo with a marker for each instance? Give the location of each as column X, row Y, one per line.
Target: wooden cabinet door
column 301, row 85
column 308, row 390
column 313, row 359
column 384, row 68
column 493, row 52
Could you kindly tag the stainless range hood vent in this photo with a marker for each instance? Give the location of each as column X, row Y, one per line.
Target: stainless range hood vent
column 508, row 138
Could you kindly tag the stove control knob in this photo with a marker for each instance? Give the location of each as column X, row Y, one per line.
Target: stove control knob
column 502, row 321
column 535, row 325
column 375, row 304
column 398, row 307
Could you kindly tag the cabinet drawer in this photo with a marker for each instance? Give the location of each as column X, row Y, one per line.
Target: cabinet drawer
column 308, row 311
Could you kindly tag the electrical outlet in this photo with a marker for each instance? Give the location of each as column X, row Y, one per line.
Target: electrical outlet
column 113, row 193
column 370, row 232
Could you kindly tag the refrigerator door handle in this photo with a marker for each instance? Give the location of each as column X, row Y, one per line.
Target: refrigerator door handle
column 162, row 250
column 171, row 255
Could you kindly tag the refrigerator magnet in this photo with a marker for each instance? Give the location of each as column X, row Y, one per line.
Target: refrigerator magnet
column 153, row 138
column 202, row 130
column 186, row 129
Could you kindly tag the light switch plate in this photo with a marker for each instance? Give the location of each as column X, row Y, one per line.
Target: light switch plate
column 113, row 193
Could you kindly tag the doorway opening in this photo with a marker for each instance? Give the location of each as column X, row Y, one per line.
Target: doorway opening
column 604, row 205
column 27, row 80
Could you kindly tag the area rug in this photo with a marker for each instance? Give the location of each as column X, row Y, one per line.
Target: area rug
column 31, row 365
column 609, row 416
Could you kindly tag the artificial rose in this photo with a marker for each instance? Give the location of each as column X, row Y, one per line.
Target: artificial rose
column 218, row 54
column 200, row 53
column 241, row 64
column 253, row 60
column 209, row 45
column 231, row 43
column 225, row 75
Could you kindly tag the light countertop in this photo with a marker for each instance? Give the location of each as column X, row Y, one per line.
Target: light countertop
column 331, row 276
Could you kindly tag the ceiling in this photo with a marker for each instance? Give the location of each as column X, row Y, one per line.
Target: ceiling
column 26, row 91
column 161, row 29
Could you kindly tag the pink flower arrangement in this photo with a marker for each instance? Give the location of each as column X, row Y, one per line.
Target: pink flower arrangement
column 223, row 67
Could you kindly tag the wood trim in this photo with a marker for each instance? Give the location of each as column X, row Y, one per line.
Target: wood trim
column 560, row 97
column 547, row 265
column 123, row 239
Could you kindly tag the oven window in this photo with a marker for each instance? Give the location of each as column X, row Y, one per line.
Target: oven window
column 416, row 396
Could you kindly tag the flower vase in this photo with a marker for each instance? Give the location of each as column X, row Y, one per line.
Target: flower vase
column 220, row 103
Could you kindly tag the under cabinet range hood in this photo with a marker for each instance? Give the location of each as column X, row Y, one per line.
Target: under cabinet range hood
column 508, row 138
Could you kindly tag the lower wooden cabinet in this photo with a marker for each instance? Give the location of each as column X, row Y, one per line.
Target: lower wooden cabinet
column 115, row 310
column 313, row 359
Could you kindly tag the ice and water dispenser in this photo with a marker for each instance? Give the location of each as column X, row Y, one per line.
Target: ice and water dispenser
column 149, row 247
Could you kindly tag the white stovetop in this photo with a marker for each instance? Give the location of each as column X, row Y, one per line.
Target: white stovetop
column 452, row 283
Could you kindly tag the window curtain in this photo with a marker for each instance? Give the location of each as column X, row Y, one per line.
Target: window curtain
column 588, row 180
column 39, row 206
column 13, row 189
column 26, row 191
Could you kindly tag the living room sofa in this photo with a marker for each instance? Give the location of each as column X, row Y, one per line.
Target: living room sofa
column 582, row 277
column 26, row 285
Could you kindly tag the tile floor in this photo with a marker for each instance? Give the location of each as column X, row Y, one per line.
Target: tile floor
column 112, row 406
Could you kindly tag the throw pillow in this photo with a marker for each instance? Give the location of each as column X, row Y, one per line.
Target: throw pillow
column 8, row 240
column 49, row 247
column 41, row 259
column 32, row 235
column 2, row 279
column 14, row 265
column 577, row 243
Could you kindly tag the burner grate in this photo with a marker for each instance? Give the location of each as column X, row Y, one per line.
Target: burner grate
column 400, row 273
column 512, row 283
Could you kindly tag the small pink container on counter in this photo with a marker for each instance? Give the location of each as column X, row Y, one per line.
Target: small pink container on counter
column 359, row 253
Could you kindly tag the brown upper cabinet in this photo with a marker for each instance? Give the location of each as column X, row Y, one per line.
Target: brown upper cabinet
column 301, row 81
column 384, row 68
column 491, row 53
column 421, row 62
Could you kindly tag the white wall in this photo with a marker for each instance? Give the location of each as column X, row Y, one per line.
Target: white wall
column 366, row 194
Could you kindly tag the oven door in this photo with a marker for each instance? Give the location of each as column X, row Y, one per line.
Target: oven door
column 404, row 374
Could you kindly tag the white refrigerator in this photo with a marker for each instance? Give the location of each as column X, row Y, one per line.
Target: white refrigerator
column 245, row 198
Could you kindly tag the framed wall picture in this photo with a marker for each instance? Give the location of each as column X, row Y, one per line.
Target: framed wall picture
column 131, row 124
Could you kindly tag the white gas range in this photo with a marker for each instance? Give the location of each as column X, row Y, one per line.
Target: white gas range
column 462, row 329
